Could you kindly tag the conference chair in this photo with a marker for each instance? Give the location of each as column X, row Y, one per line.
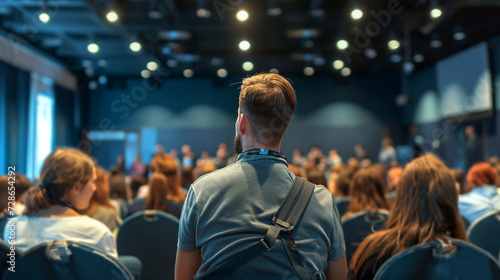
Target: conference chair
column 466, row 222
column 485, row 232
column 66, row 260
column 440, row 260
column 359, row 226
column 151, row 236
column 343, row 205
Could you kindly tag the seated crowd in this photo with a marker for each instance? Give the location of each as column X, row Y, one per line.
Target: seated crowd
column 425, row 201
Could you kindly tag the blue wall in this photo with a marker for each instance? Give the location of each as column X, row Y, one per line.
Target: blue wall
column 195, row 112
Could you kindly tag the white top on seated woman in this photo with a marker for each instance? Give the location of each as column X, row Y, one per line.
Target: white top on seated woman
column 67, row 178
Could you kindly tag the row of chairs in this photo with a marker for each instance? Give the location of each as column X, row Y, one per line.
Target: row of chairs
column 146, row 244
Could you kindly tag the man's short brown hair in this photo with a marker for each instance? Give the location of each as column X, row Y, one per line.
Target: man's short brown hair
column 269, row 101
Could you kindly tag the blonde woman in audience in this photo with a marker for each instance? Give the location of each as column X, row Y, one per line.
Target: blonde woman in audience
column 367, row 190
column 100, row 207
column 425, row 209
column 67, row 184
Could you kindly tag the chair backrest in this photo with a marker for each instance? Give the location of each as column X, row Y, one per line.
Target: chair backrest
column 359, row 226
column 485, row 232
column 67, row 260
column 343, row 205
column 151, row 236
column 466, row 223
column 437, row 261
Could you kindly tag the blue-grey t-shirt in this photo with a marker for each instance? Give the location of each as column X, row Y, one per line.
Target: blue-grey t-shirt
column 231, row 208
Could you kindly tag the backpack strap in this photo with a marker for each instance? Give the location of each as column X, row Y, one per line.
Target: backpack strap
column 284, row 221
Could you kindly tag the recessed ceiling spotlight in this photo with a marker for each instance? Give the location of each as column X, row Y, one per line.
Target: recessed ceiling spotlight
column 370, row 53
column 274, row 12
column 338, row 64
column 222, row 73
column 436, row 43
column 418, row 58
column 93, row 48
column 112, row 16
column 396, row 58
column 242, row 15
column 244, row 45
column 135, row 46
column 102, row 63
column 188, row 73
column 459, row 35
column 152, row 66
column 145, row 74
column 274, row 71
column 172, row 63
column 203, row 13
column 435, row 13
column 248, row 66
column 356, row 14
column 44, row 17
column 308, row 71
column 393, row 44
column 342, row 44
column 346, row 71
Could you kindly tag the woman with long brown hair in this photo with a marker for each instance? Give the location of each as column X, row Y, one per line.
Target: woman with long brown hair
column 425, row 209
column 157, row 198
column 367, row 190
column 52, row 209
column 100, row 207
column 166, row 164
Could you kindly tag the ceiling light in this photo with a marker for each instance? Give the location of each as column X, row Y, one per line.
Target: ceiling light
column 308, row 71
column 338, row 64
column 274, row 70
column 172, row 63
column 89, row 72
column 222, row 73
column 44, row 17
column 93, row 48
column 346, row 71
column 93, row 85
column 459, row 35
column 203, row 13
column 152, row 66
column 135, row 46
column 356, row 14
column 318, row 61
column 86, row 63
column 435, row 13
column 418, row 58
column 145, row 74
column 102, row 63
column 103, row 80
column 393, row 44
column 242, row 15
column 395, row 58
column 370, row 53
column 188, row 73
column 112, row 16
column 244, row 45
column 274, row 12
column 342, row 44
column 436, row 43
column 248, row 66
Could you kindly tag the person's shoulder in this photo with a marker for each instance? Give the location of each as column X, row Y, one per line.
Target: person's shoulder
column 214, row 176
column 88, row 223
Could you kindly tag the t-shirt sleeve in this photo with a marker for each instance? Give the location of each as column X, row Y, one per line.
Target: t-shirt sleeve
column 187, row 224
column 337, row 236
column 107, row 244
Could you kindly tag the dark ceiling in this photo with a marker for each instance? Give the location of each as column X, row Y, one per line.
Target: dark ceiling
column 304, row 34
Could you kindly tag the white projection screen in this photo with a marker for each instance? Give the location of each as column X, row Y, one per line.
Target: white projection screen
column 464, row 84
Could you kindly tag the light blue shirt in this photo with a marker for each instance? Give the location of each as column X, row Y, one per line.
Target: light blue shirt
column 479, row 201
column 231, row 208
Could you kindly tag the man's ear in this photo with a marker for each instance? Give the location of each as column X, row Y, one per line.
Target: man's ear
column 243, row 125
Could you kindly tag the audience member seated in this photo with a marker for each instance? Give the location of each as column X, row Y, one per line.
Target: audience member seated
column 166, row 164
column 340, row 185
column 135, row 184
column 316, row 177
column 459, row 178
column 367, row 192
column 22, row 184
column 425, row 209
column 387, row 152
column 157, row 198
column 137, row 168
column 118, row 192
column 67, row 184
column 483, row 196
column 100, row 207
column 393, row 177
